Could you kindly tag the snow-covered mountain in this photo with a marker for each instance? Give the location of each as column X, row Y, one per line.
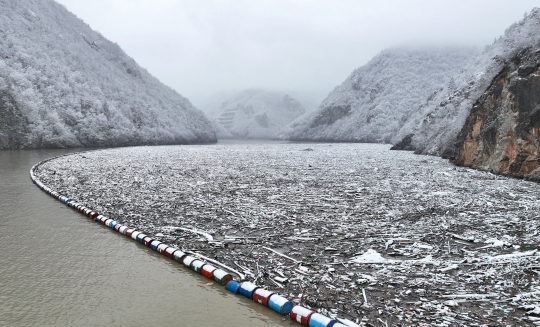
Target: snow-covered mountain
column 444, row 114
column 378, row 100
column 256, row 114
column 64, row 85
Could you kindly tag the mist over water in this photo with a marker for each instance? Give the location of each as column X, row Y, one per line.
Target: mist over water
column 200, row 48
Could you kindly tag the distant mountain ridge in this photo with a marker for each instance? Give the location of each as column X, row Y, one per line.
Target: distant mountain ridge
column 377, row 102
column 257, row 114
column 64, row 85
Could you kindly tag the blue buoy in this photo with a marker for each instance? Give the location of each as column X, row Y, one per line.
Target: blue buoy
column 247, row 289
column 233, row 286
column 140, row 237
column 319, row 320
column 154, row 245
column 280, row 304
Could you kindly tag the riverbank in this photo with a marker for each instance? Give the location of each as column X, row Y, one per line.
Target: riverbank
column 351, row 230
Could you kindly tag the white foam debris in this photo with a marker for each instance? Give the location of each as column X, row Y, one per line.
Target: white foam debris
column 372, row 256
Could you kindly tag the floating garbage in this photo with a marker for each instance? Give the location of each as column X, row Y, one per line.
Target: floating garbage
column 416, row 241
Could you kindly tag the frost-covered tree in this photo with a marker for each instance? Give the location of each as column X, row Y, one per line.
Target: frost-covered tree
column 377, row 102
column 64, row 85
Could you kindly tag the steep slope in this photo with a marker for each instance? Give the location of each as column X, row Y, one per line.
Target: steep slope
column 376, row 102
column 221, row 132
column 64, row 85
column 258, row 114
column 445, row 113
column 501, row 133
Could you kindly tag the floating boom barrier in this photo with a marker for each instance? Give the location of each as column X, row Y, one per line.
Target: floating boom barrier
column 274, row 301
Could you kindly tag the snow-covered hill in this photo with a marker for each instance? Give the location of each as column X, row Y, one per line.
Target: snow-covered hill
column 64, row 85
column 444, row 115
column 256, row 114
column 378, row 100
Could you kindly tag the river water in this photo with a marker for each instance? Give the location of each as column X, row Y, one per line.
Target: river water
column 58, row 268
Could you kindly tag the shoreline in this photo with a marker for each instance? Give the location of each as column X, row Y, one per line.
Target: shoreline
column 327, row 263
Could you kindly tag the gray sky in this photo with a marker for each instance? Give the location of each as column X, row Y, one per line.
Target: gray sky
column 201, row 47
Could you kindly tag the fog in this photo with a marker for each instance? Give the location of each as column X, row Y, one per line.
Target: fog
column 201, row 47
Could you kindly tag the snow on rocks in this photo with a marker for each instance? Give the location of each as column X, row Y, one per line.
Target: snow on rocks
column 416, row 240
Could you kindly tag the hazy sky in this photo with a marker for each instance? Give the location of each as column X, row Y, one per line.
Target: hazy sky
column 202, row 47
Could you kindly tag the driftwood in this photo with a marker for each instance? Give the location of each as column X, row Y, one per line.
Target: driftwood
column 383, row 235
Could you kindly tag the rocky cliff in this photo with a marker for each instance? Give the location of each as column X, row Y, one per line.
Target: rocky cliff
column 445, row 112
column 501, row 133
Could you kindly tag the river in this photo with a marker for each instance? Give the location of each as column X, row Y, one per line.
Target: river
column 58, row 268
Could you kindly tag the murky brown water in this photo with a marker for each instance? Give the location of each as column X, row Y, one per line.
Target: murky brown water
column 58, row 268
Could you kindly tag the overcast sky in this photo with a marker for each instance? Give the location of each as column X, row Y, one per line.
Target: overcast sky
column 201, row 47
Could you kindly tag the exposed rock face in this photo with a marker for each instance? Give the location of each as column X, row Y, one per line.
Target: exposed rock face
column 444, row 113
column 404, row 144
column 330, row 115
column 501, row 133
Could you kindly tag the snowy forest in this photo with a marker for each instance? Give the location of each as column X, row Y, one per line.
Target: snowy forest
column 423, row 94
column 64, row 85
column 377, row 101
